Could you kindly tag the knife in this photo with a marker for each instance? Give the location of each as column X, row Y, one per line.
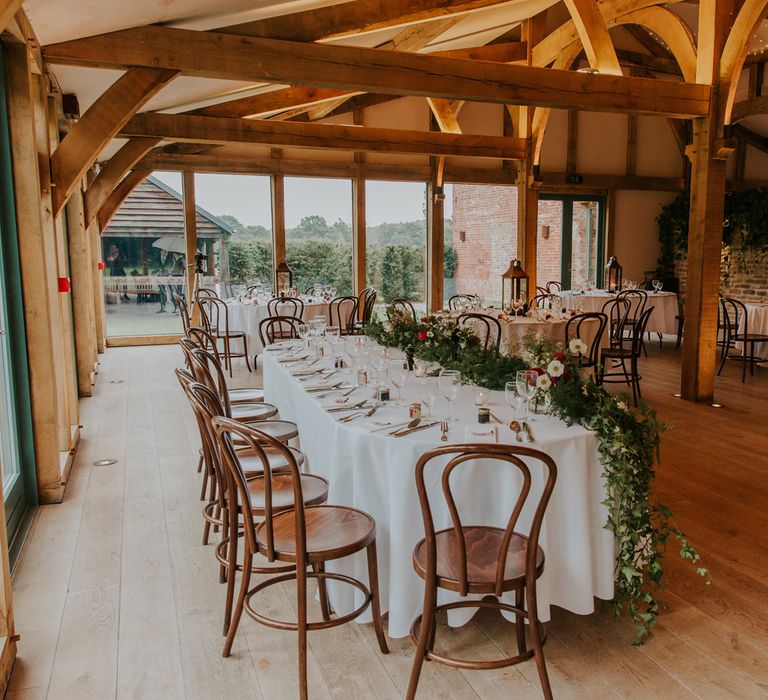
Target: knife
column 417, row 428
column 528, row 431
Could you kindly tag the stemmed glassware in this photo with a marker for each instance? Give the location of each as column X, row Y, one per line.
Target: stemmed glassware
column 517, row 304
column 658, row 285
column 427, row 393
column 397, row 375
column 305, row 333
column 513, row 397
column 526, row 387
column 450, row 383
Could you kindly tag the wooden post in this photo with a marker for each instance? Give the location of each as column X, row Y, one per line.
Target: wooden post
column 359, row 280
column 435, row 242
column 81, row 270
column 278, row 223
column 7, row 627
column 38, row 276
column 94, row 238
column 527, row 222
column 190, row 238
column 705, row 235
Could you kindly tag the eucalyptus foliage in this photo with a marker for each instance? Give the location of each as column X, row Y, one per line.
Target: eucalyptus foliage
column 628, row 442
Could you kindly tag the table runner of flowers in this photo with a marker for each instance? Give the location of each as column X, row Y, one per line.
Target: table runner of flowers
column 628, row 441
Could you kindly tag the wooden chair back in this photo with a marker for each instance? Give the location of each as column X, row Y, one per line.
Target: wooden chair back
column 459, row 455
column 637, row 299
column 254, row 441
column 489, row 327
column 361, row 298
column 289, row 307
column 342, row 313
column 370, row 301
column 575, row 328
column 214, row 314
column 207, row 370
column 732, row 313
column 616, row 311
column 459, row 301
column 181, row 305
column 554, row 286
column 201, row 337
column 637, row 332
column 404, row 307
column 275, row 328
column 542, row 301
column 205, row 292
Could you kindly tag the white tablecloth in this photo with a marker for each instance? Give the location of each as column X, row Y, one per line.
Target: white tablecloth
column 662, row 319
column 375, row 472
column 246, row 317
column 758, row 323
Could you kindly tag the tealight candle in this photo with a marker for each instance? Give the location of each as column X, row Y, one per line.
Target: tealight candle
column 420, row 369
column 480, row 398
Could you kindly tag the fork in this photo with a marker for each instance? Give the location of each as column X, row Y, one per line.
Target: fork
column 360, row 414
column 444, row 430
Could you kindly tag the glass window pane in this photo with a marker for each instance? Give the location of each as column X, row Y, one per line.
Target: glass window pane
column 396, row 240
column 549, row 242
column 584, row 243
column 318, row 236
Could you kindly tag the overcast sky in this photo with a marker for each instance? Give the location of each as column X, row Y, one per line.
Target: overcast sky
column 247, row 198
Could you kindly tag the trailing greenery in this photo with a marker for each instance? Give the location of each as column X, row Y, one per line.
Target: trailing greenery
column 745, row 229
column 628, row 442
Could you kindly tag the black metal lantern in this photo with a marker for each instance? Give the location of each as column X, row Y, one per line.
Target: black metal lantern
column 613, row 275
column 283, row 278
column 514, row 285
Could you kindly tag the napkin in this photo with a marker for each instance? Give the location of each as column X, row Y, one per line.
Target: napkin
column 481, row 433
column 374, row 425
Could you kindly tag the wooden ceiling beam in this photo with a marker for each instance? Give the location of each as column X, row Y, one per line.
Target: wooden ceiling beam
column 127, row 185
column 754, row 139
column 226, row 57
column 8, row 9
column 112, row 172
column 593, row 32
column 178, row 127
column 81, row 146
column 750, row 107
column 358, row 17
column 446, row 113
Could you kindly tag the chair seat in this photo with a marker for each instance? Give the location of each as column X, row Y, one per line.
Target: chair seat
column 230, row 334
column 332, row 532
column 483, row 547
column 617, row 353
column 246, row 395
column 252, row 463
column 282, row 430
column 750, row 338
column 314, row 489
column 248, row 412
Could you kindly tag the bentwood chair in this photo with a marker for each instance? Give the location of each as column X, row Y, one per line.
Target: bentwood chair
column 680, row 318
column 274, row 328
column 206, row 293
column 315, row 489
column 488, row 328
column 553, row 286
column 620, row 372
column 342, row 313
column 617, row 311
column 214, row 314
column 734, row 317
column 542, row 301
column 404, row 307
column 181, row 305
column 307, row 535
column 288, row 306
column 480, row 559
column 580, row 326
column 202, row 339
column 637, row 299
column 366, row 302
column 459, row 301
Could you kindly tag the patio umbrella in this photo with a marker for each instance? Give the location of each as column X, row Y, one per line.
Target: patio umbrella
column 173, row 244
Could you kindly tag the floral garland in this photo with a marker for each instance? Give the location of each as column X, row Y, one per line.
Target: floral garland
column 628, row 442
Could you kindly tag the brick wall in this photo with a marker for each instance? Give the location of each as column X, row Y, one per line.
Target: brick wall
column 747, row 278
column 487, row 216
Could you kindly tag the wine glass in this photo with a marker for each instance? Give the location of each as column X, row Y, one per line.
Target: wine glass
column 526, row 387
column 517, row 304
column 450, row 383
column 512, row 397
column 319, row 323
column 657, row 285
column 427, row 393
column 397, row 375
column 305, row 333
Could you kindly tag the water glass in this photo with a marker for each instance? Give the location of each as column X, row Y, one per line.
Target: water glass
column 526, row 387
column 398, row 373
column 657, row 285
column 427, row 388
column 450, row 383
column 513, row 397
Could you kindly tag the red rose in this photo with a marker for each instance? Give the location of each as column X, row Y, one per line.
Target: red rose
column 422, row 334
column 559, row 356
column 538, row 370
column 566, row 375
column 424, row 319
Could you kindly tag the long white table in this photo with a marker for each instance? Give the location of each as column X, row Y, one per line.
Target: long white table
column 375, row 472
column 662, row 320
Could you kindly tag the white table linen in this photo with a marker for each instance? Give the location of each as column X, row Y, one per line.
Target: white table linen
column 246, row 317
column 664, row 304
column 758, row 323
column 375, row 472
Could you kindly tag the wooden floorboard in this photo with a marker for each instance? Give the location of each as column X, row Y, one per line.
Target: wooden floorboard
column 115, row 596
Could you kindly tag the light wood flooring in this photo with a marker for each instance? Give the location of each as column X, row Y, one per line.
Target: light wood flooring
column 116, row 597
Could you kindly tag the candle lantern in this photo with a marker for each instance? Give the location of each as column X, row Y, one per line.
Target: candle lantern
column 283, row 278
column 613, row 275
column 514, row 285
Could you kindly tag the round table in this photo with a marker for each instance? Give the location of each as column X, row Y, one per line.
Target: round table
column 662, row 320
column 368, row 469
column 758, row 323
column 246, row 317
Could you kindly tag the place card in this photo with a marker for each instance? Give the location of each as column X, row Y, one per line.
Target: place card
column 476, row 433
